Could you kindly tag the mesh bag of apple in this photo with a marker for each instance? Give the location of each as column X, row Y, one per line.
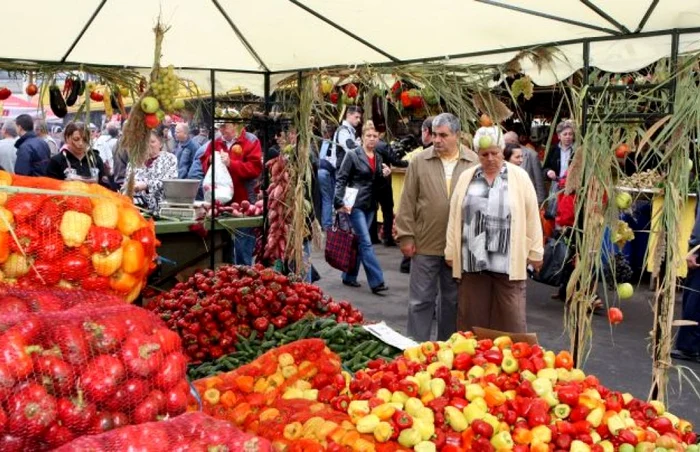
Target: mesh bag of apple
column 85, row 370
column 490, row 395
column 190, row 432
column 72, row 235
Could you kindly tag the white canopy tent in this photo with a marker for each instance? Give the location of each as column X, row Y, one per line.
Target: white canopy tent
column 281, row 36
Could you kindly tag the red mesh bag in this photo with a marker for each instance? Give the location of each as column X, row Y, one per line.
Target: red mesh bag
column 17, row 300
column 192, row 432
column 84, row 371
column 76, row 235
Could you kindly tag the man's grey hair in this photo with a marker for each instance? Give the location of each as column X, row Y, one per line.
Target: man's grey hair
column 511, row 138
column 10, row 129
column 447, row 119
column 565, row 125
column 40, row 127
column 184, row 126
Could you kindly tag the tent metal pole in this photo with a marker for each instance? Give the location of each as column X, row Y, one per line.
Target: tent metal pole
column 266, row 146
column 82, row 32
column 446, row 58
column 675, row 38
column 240, row 35
column 605, row 16
column 344, row 30
column 548, row 16
column 212, row 135
column 647, row 15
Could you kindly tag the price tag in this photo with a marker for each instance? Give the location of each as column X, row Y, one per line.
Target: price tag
column 384, row 333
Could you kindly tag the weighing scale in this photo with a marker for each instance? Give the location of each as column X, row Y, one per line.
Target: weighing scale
column 179, row 200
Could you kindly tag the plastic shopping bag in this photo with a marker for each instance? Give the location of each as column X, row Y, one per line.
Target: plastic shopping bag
column 220, row 180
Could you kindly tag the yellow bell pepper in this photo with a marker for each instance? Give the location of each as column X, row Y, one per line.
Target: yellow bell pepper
column 425, row 428
column 426, row 414
column 6, row 219
column 310, row 394
column 399, row 397
column 383, row 432
column 412, row 405
column 595, row 417
column 502, row 441
column 384, row 394
column 607, row 446
column 106, row 265
column 456, row 419
column 105, row 213
column 446, row 357
column 368, row 423
column 75, row 227
column 15, row 266
column 549, row 358
column 289, row 371
column 312, row 426
column 541, row 434
column 293, row 431
column 615, row 424
column 437, row 387
column 473, row 412
column 384, row 411
column 424, row 446
column 409, row 437
column 463, row 345
column 474, row 391
column 579, row 446
column 285, row 359
column 358, row 409
column 293, row 393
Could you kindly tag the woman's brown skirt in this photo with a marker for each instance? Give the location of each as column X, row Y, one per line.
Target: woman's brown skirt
column 491, row 300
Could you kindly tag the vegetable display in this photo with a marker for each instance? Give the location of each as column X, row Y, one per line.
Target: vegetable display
column 462, row 394
column 486, row 395
column 213, row 310
column 81, row 236
column 85, row 370
column 353, row 344
column 191, row 432
column 278, row 209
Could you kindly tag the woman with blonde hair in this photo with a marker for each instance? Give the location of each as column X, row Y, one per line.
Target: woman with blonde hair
column 493, row 233
column 360, row 169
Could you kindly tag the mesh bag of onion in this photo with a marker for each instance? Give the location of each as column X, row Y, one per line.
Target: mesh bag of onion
column 85, row 370
column 192, row 432
column 72, row 235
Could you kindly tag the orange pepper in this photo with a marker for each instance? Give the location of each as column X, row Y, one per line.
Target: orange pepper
column 305, row 445
column 494, row 396
column 4, row 246
column 245, row 383
column 228, row 398
column 467, row 438
column 564, row 360
column 539, row 447
column 522, row 436
column 239, row 413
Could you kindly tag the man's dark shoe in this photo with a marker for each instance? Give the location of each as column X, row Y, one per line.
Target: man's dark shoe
column 352, row 283
column 379, row 289
column 684, row 356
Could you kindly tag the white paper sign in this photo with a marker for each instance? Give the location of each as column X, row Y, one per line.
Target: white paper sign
column 350, row 196
column 384, row 333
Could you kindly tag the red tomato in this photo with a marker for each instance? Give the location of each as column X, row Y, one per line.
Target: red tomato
column 75, row 266
column 78, row 415
column 57, row 375
column 49, row 218
column 95, row 282
column 146, row 411
column 31, row 411
column 71, row 341
column 142, row 354
column 176, row 401
column 50, row 249
column 57, row 435
column 101, row 378
column 172, row 371
column 105, row 335
column 615, row 316
column 14, row 356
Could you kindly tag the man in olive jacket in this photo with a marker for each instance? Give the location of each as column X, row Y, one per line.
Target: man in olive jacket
column 422, row 225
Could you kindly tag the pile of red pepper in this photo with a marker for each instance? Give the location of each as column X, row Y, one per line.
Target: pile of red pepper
column 213, row 310
column 85, row 370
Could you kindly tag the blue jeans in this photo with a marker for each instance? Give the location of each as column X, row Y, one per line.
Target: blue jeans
column 360, row 221
column 326, row 181
column 243, row 246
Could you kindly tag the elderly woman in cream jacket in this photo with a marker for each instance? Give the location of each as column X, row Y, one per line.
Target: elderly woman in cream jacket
column 493, row 234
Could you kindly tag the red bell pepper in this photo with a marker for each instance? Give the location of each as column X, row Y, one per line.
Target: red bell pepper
column 340, row 403
column 402, row 419
column 459, row 403
column 521, row 350
column 569, row 394
column 613, row 402
column 494, row 356
column 525, row 389
column 485, row 344
column 565, row 428
column 443, row 373
column 579, row 413
column 526, row 364
column 462, row 361
column 409, row 388
column 438, row 405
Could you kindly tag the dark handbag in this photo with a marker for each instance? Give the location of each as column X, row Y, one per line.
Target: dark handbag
column 556, row 253
column 341, row 244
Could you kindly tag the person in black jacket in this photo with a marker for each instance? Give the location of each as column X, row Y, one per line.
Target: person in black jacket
column 385, row 195
column 361, row 168
column 556, row 164
column 33, row 153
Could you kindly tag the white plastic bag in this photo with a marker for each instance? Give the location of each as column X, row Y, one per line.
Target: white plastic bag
column 222, row 182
